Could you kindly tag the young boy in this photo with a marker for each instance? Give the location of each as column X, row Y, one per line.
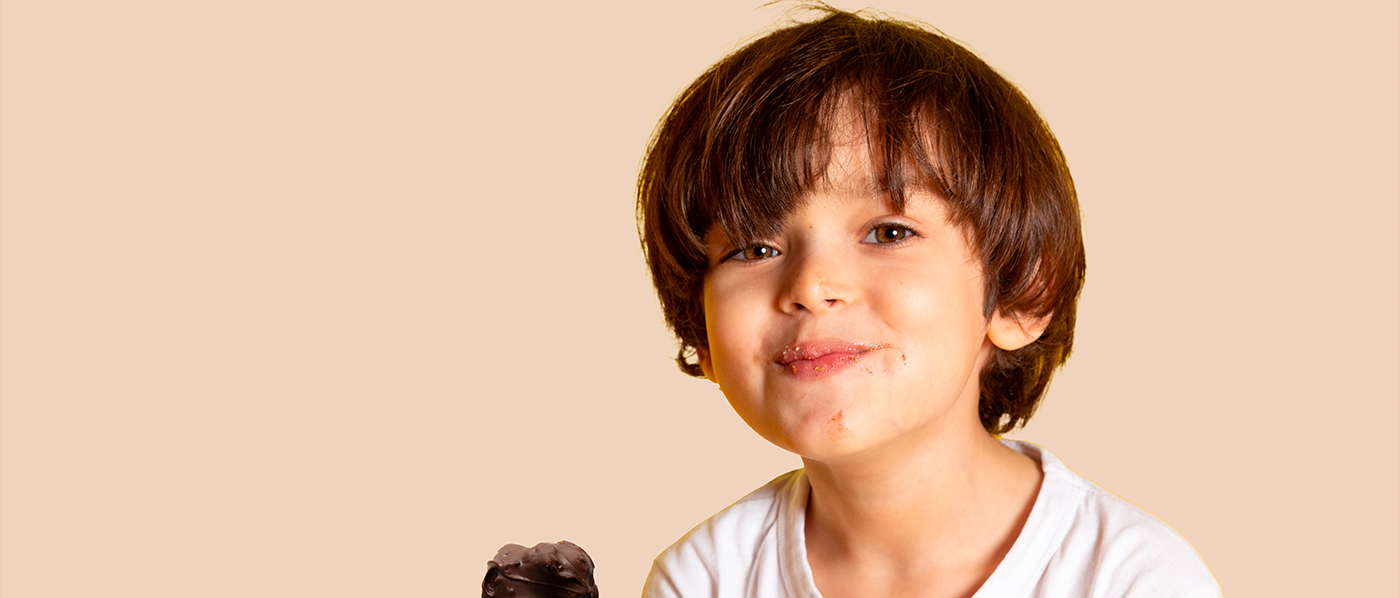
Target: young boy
column 870, row 241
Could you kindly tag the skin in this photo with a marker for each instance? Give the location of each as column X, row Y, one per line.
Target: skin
column 910, row 495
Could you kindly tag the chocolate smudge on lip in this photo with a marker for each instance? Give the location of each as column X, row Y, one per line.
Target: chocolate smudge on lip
column 548, row 570
column 809, row 351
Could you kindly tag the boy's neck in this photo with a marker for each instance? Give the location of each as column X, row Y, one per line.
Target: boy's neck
column 951, row 508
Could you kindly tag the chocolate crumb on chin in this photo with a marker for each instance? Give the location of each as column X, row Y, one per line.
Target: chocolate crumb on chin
column 548, row 570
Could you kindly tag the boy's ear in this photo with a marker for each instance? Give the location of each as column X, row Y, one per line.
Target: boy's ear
column 1013, row 331
column 703, row 356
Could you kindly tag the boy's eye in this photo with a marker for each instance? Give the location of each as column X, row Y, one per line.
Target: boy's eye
column 757, row 252
column 888, row 233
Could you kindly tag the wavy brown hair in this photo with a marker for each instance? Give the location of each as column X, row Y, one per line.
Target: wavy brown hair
column 744, row 144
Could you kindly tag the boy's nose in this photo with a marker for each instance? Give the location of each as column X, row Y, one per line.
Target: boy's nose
column 816, row 285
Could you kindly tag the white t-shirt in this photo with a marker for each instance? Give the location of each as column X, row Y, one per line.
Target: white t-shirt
column 1079, row 541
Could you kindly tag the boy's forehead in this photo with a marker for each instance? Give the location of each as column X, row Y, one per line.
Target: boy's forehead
column 844, row 157
column 846, row 146
column 849, row 148
column 844, row 189
column 849, row 168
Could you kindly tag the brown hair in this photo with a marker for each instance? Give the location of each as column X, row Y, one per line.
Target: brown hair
column 743, row 145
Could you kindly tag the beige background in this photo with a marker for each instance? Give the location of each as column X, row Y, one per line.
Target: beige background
column 335, row 298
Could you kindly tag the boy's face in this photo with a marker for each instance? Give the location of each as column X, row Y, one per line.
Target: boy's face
column 856, row 329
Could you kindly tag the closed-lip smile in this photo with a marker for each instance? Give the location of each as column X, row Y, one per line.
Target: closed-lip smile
column 812, row 360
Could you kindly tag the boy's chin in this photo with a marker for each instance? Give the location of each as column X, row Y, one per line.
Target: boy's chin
column 835, row 440
column 842, row 441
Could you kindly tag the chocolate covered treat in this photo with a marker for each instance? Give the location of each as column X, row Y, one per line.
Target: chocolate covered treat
column 560, row 570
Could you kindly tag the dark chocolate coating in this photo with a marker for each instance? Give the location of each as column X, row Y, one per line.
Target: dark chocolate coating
column 560, row 570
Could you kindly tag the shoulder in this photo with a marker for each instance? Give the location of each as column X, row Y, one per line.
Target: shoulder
column 1133, row 551
column 1112, row 547
column 723, row 555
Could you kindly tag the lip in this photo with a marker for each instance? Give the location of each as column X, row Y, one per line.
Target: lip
column 813, row 360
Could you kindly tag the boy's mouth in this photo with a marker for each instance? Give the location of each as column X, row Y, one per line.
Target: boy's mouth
column 812, row 360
